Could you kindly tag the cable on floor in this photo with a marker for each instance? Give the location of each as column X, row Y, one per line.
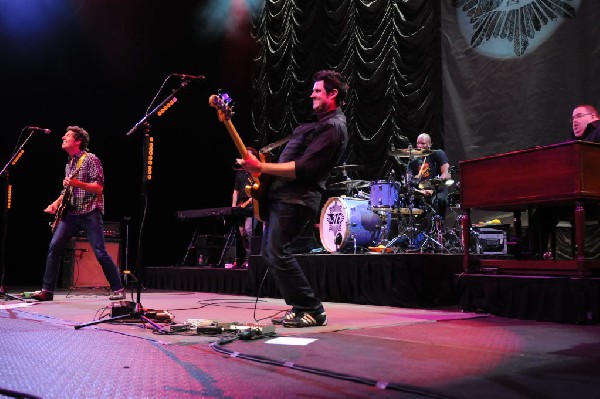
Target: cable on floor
column 332, row 374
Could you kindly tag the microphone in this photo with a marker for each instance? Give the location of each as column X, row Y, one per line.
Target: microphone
column 189, row 77
column 38, row 129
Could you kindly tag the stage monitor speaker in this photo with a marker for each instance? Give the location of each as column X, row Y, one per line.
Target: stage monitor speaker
column 87, row 272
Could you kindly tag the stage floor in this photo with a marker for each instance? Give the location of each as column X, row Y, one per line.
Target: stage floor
column 364, row 351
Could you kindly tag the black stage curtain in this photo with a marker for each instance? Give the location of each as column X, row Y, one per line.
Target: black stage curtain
column 390, row 52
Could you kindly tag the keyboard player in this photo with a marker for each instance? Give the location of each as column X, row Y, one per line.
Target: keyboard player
column 585, row 122
column 239, row 198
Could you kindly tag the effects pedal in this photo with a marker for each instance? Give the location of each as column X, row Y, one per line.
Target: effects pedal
column 122, row 308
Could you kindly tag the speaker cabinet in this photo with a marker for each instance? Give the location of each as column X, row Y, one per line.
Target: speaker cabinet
column 86, row 271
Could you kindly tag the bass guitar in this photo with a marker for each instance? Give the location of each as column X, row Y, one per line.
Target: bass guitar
column 260, row 182
column 245, row 203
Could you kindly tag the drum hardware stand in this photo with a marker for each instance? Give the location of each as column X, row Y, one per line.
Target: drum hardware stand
column 455, row 233
column 411, row 226
column 436, row 228
column 383, row 228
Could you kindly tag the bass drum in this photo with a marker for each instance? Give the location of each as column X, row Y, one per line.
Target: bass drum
column 346, row 222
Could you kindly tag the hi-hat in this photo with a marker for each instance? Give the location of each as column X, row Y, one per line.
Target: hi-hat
column 435, row 183
column 410, row 152
column 346, row 184
column 341, row 168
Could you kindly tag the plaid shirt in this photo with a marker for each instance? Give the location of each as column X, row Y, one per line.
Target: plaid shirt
column 83, row 202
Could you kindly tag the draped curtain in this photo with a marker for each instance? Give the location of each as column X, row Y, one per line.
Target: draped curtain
column 390, row 52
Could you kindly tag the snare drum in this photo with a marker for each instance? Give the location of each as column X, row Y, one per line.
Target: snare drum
column 384, row 195
column 404, row 206
column 345, row 222
column 405, row 209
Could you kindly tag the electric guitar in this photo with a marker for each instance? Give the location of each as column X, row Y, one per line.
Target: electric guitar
column 62, row 208
column 260, row 185
column 64, row 202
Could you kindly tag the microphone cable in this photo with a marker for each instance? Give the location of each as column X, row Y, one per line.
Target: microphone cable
column 328, row 373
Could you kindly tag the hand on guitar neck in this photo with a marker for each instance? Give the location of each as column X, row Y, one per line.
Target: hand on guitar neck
column 245, row 203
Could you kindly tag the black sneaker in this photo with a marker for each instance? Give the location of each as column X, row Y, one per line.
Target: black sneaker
column 306, row 320
column 289, row 315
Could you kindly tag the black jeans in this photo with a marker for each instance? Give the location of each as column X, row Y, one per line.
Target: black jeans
column 284, row 223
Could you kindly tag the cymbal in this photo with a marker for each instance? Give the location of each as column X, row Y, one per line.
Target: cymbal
column 434, row 183
column 410, row 152
column 341, row 168
column 346, row 184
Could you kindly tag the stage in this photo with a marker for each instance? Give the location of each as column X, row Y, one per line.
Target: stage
column 402, row 280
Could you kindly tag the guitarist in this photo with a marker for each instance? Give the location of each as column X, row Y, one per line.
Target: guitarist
column 83, row 207
column 294, row 196
column 240, row 198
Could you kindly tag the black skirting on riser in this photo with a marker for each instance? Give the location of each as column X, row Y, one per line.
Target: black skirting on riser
column 541, row 298
column 402, row 280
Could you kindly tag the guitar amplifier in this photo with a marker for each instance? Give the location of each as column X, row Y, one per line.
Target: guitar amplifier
column 80, row 267
column 112, row 230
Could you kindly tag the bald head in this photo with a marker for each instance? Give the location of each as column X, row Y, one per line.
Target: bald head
column 424, row 141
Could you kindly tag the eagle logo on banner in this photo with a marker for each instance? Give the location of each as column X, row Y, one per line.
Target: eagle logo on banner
column 516, row 21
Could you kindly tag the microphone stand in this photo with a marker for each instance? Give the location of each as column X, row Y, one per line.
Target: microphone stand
column 7, row 205
column 147, row 166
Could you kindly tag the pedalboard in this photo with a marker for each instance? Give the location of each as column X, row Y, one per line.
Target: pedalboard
column 211, row 327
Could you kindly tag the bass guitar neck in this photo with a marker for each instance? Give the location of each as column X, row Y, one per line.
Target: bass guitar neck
column 258, row 189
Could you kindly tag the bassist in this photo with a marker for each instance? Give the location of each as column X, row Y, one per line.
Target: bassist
column 294, row 196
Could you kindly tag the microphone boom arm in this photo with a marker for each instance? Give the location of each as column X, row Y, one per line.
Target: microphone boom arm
column 165, row 104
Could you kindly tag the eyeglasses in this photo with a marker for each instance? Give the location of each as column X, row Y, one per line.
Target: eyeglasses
column 577, row 116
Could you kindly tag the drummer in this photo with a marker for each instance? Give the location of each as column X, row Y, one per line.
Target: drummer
column 430, row 172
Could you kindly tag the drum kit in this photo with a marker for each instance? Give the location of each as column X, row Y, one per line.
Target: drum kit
column 392, row 216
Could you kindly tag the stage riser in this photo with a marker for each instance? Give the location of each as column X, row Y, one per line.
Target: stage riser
column 402, row 280
column 556, row 299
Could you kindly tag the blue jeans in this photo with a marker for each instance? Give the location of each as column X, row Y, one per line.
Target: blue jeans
column 284, row 223
column 93, row 225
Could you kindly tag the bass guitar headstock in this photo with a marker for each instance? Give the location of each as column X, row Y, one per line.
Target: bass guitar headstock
column 224, row 105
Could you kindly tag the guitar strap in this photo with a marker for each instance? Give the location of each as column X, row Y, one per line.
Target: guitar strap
column 79, row 163
column 284, row 140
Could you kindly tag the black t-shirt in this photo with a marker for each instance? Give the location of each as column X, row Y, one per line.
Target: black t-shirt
column 433, row 165
column 242, row 179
